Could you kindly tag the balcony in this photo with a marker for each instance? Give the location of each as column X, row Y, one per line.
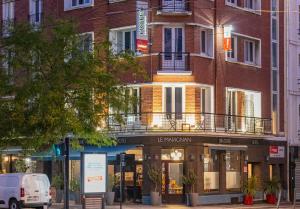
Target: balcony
column 7, row 26
column 174, row 62
column 35, row 19
column 174, row 7
column 186, row 122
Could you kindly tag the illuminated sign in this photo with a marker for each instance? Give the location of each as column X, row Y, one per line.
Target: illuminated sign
column 94, row 173
column 142, row 26
column 227, row 38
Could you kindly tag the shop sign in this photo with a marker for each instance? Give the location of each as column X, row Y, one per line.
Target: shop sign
column 94, row 168
column 174, row 139
column 276, row 151
column 142, row 26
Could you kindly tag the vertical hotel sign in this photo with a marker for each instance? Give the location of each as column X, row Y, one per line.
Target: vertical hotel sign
column 142, row 26
column 94, row 172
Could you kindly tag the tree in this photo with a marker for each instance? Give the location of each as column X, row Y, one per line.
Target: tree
column 59, row 84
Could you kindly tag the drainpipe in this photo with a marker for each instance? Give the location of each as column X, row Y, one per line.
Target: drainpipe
column 216, row 56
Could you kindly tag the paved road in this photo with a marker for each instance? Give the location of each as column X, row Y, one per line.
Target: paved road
column 138, row 206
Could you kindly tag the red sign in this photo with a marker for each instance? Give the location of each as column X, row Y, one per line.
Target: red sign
column 276, row 151
column 142, row 45
column 227, row 44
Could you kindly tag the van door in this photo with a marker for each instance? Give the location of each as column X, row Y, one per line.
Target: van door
column 31, row 188
column 43, row 188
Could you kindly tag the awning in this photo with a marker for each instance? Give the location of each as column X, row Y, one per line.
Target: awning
column 226, row 147
column 111, row 151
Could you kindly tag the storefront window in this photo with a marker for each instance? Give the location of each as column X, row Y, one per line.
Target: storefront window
column 233, row 170
column 211, row 170
column 172, row 154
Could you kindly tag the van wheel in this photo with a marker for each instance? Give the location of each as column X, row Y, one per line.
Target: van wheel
column 13, row 204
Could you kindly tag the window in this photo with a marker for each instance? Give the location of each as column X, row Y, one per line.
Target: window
column 233, row 170
column 211, row 165
column 35, row 11
column 232, row 55
column 249, row 52
column 206, row 37
column 8, row 15
column 173, row 102
column 234, row 2
column 73, row 4
column 7, row 65
column 252, row 4
column 123, row 40
column 87, row 40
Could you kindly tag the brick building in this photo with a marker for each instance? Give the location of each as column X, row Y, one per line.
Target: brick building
column 220, row 114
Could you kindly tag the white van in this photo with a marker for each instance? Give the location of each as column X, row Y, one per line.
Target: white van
column 19, row 190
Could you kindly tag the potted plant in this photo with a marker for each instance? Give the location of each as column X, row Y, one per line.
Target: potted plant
column 250, row 189
column 155, row 177
column 110, row 194
column 75, row 190
column 57, row 185
column 272, row 187
column 189, row 181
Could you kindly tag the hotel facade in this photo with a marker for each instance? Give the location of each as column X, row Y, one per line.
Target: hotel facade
column 217, row 113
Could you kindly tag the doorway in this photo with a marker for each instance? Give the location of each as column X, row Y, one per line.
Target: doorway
column 172, row 172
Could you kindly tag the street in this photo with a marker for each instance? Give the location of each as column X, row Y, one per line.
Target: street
column 138, row 206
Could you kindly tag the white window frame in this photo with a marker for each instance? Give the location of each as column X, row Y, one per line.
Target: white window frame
column 113, row 36
column 248, row 51
column 173, row 97
column 256, row 4
column 8, row 16
column 68, row 4
column 33, row 12
column 209, row 43
column 93, row 38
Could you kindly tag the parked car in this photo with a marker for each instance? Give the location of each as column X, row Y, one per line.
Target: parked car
column 24, row 190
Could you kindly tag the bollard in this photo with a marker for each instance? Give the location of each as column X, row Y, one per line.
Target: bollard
column 45, row 206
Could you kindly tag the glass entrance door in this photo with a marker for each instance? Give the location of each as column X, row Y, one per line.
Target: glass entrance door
column 172, row 186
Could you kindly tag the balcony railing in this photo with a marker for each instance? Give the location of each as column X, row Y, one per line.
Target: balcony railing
column 174, row 6
column 35, row 19
column 174, row 61
column 186, row 122
column 7, row 26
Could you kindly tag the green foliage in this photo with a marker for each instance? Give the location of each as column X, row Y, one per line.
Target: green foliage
column 59, row 88
column 190, row 180
column 21, row 166
column 57, row 181
column 250, row 187
column 74, row 185
column 155, row 177
column 272, row 186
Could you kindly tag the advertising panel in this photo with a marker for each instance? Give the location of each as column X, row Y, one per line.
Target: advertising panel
column 94, row 170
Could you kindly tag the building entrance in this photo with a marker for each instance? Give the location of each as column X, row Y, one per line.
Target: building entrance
column 172, row 172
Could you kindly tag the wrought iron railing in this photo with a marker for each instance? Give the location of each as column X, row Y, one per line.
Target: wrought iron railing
column 186, row 122
column 174, row 61
column 174, row 6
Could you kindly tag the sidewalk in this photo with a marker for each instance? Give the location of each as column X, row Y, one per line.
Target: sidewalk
column 139, row 206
